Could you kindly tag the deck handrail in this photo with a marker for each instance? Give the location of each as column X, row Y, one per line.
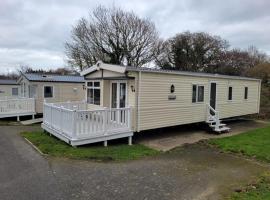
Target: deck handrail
column 17, row 105
column 214, row 117
column 78, row 124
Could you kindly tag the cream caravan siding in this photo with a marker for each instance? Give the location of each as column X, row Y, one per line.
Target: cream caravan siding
column 155, row 110
column 62, row 92
column 6, row 90
column 238, row 106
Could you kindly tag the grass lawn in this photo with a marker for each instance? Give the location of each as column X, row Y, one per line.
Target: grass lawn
column 258, row 191
column 255, row 143
column 54, row 147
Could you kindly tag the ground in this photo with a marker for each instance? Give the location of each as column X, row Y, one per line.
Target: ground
column 169, row 138
column 189, row 172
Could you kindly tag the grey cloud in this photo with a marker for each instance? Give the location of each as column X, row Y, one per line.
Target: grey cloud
column 33, row 32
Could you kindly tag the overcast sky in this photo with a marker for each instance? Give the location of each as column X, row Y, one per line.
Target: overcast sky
column 33, row 32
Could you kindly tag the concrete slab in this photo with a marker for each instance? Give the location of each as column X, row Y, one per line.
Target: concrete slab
column 169, row 138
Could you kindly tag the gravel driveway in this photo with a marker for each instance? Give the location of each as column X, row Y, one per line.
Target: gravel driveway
column 192, row 172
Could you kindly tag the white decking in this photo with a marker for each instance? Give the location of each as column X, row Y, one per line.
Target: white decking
column 16, row 106
column 73, row 123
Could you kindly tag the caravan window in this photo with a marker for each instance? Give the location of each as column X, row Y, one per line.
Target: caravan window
column 93, row 92
column 48, row 91
column 230, row 93
column 15, row 91
column 197, row 93
column 246, row 92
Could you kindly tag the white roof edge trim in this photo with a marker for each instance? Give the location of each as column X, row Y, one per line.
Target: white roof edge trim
column 100, row 65
column 194, row 74
column 88, row 70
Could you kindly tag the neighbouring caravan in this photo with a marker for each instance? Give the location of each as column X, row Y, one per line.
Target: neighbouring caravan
column 51, row 88
column 27, row 95
column 9, row 88
column 122, row 100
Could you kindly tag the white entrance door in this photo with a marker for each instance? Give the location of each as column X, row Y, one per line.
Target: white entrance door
column 118, row 100
column 118, row 94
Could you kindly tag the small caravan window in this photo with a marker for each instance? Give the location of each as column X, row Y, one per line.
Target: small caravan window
column 197, row 93
column 93, row 92
column 230, row 93
column 15, row 91
column 48, row 91
column 246, row 92
column 194, row 91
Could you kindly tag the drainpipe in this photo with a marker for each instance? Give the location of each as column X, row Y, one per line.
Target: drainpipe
column 138, row 101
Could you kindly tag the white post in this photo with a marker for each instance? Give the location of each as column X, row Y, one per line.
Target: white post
column 33, row 116
column 51, row 116
column 129, row 118
column 61, row 118
column 18, row 118
column 105, row 143
column 130, row 140
column 73, row 124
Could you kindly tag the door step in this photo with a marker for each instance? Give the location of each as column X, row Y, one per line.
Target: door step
column 223, row 129
column 220, row 125
column 214, row 122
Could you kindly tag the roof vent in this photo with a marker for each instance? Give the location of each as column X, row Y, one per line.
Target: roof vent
column 46, row 76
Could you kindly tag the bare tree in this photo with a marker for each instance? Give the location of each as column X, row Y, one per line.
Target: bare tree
column 114, row 36
column 192, row 52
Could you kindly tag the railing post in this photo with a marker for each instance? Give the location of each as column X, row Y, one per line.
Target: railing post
column 73, row 124
column 34, row 105
column 61, row 119
column 129, row 117
column 217, row 120
column 51, row 121
column 105, row 115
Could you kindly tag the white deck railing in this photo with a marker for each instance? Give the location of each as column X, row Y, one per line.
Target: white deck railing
column 73, row 121
column 213, row 115
column 15, row 106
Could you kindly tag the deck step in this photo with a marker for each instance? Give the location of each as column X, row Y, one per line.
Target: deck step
column 222, row 129
column 220, row 125
column 32, row 121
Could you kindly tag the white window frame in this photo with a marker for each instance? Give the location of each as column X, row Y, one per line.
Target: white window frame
column 93, row 87
column 44, row 91
column 118, row 89
column 197, row 93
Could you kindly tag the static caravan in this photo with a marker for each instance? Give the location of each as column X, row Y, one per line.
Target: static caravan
column 51, row 88
column 9, row 88
column 122, row 100
column 33, row 89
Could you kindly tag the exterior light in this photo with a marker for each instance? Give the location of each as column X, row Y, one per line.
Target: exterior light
column 132, row 88
column 172, row 88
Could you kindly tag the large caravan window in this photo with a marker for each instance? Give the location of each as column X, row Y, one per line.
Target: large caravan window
column 197, row 93
column 15, row 91
column 230, row 93
column 32, row 91
column 246, row 92
column 93, row 92
column 48, row 91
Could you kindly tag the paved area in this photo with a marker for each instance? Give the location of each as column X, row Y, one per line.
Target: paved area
column 169, row 138
column 193, row 172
